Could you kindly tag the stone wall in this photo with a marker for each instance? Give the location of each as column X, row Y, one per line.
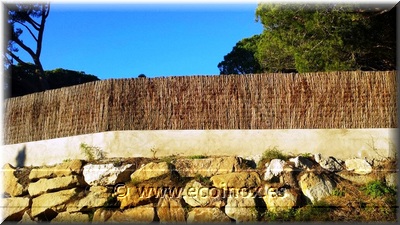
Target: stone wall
column 178, row 189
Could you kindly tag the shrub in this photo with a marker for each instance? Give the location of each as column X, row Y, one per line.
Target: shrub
column 377, row 189
column 270, row 154
column 91, row 152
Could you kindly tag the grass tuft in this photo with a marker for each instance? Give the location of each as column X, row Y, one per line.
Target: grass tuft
column 270, row 154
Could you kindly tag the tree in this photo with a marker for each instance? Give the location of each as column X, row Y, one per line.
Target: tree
column 326, row 37
column 304, row 38
column 379, row 43
column 22, row 79
column 273, row 56
column 241, row 60
column 30, row 18
column 59, row 78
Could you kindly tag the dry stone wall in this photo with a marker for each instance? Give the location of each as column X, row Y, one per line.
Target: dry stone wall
column 217, row 189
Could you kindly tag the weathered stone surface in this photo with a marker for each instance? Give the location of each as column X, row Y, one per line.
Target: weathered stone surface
column 96, row 196
column 107, row 174
column 207, row 167
column 49, row 200
column 288, row 176
column 201, row 215
column 46, row 185
column 72, row 167
column 26, row 218
column 318, row 157
column 196, row 194
column 301, row 162
column 316, row 187
column 13, row 208
column 170, row 210
column 66, row 217
column 151, row 170
column 357, row 178
column 331, row 164
column 242, row 209
column 392, row 179
column 236, row 180
column 143, row 214
column 281, row 199
column 10, row 181
column 101, row 215
column 273, row 169
column 358, row 166
column 133, row 196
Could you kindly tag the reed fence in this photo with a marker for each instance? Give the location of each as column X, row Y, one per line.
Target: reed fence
column 260, row 101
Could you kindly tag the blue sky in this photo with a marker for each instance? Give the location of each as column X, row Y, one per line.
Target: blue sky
column 125, row 40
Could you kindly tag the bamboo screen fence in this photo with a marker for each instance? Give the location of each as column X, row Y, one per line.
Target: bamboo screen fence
column 259, row 101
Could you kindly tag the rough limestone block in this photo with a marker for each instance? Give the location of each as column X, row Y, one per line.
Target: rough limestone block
column 13, row 207
column 106, row 174
column 10, row 181
column 50, row 200
column 58, row 183
column 205, row 215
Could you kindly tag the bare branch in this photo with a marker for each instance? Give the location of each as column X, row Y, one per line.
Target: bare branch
column 23, row 46
column 30, row 31
column 16, row 58
column 41, row 31
column 48, row 10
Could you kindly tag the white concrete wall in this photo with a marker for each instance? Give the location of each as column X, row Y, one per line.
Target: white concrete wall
column 340, row 143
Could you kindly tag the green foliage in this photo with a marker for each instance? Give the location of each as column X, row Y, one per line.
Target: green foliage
column 306, row 155
column 91, row 152
column 22, row 79
column 327, row 37
column 377, row 189
column 319, row 37
column 241, row 60
column 338, row 192
column 59, row 78
column 312, row 212
column 169, row 159
column 287, row 215
column 273, row 55
column 272, row 153
column 198, row 157
column 318, row 211
column 313, row 37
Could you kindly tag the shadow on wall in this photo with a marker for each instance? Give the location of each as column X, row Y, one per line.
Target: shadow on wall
column 21, row 157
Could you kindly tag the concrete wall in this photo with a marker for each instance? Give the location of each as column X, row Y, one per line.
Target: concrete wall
column 340, row 143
